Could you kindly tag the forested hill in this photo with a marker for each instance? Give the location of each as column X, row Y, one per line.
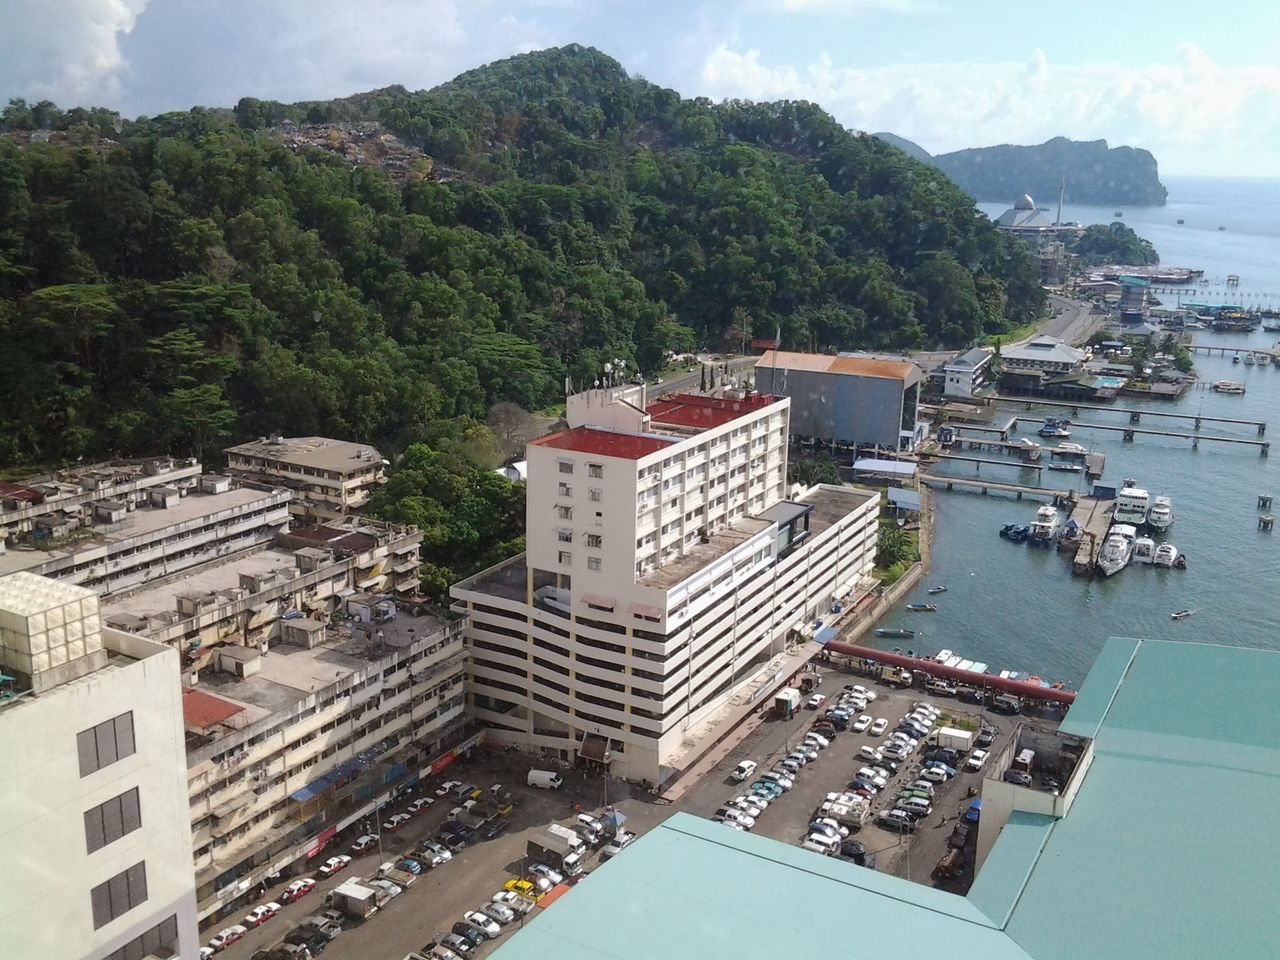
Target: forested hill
column 390, row 265
column 1095, row 173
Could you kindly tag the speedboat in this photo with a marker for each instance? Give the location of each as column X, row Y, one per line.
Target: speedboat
column 1065, row 467
column 922, row 607
column 1118, row 549
column 1144, row 549
column 1160, row 515
column 1019, row 533
column 1054, row 428
column 1248, row 360
column 895, row 634
column 1181, row 614
column 1045, row 526
column 1131, row 505
column 1070, row 448
column 1166, row 555
column 938, row 589
column 1235, row 358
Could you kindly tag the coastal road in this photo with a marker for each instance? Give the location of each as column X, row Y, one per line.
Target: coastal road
column 1073, row 320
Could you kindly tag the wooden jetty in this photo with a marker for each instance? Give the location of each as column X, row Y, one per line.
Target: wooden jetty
column 1095, row 462
column 1207, row 350
column 1026, row 452
column 1135, row 416
column 1016, row 490
column 1016, row 464
column 1093, row 517
column 1010, row 425
column 1129, row 432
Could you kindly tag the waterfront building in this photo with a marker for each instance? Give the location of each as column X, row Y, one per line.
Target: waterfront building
column 53, row 505
column 847, row 400
column 287, row 749
column 1044, row 353
column 1024, row 221
column 667, row 569
column 97, row 842
column 158, row 531
column 329, row 478
column 1128, row 860
column 964, row 376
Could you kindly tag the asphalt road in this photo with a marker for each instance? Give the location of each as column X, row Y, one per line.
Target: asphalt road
column 1072, row 320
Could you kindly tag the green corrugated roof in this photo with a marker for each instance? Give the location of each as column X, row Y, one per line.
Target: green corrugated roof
column 1168, row 851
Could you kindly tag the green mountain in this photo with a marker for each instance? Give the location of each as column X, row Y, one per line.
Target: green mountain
column 1095, row 173
column 391, row 265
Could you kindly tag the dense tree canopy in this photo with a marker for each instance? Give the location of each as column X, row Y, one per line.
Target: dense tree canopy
column 1113, row 243
column 183, row 280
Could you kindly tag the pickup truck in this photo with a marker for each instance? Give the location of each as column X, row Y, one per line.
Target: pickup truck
column 390, row 871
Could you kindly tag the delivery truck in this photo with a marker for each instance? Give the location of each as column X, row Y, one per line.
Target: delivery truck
column 952, row 738
column 786, row 703
column 357, row 900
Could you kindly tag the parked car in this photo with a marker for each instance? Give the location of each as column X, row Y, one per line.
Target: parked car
column 365, row 843
column 817, row 739
column 781, row 778
column 418, row 805
column 744, row 769
column 297, row 890
column 436, row 853
column 895, row 752
column 945, row 754
column 392, row 890
column 448, row 786
column 395, row 822
column 494, row 828
column 974, row 813
column 976, row 760
column 335, row 865
column 523, row 888
column 747, row 806
column 897, row 821
column 866, row 773
column 590, row 822
column 484, row 922
column 551, row 873
column 498, row 912
column 924, row 786
column 934, row 774
column 861, row 723
column 1017, row 777
column 734, row 815
column 459, row 945
column 816, row 701
column 767, row 788
column 515, row 902
column 227, row 936
column 868, row 752
column 261, row 914
column 470, row 932
column 810, row 753
column 619, row 843
column 879, row 726
column 409, row 865
column 792, row 767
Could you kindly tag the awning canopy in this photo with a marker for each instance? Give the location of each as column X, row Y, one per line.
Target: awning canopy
column 594, row 747
column 825, row 634
column 899, row 468
column 594, row 600
column 904, row 499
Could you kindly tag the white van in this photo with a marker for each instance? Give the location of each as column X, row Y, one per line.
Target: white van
column 819, row 843
column 917, row 805
column 546, row 779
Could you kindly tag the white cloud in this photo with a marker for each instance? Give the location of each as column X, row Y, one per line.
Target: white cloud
column 65, row 50
column 1191, row 112
column 854, row 6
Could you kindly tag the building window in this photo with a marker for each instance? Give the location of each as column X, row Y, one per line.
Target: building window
column 594, row 540
column 595, row 470
column 564, row 513
column 595, row 494
column 163, row 936
column 564, row 536
column 109, row 821
column 593, row 563
column 118, row 895
column 566, row 466
column 566, row 558
column 106, row 743
column 565, row 490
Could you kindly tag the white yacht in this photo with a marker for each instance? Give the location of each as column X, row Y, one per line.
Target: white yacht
column 1144, row 550
column 1116, row 552
column 1160, row 516
column 1131, row 506
column 1070, row 448
column 1046, row 524
column 1166, row 555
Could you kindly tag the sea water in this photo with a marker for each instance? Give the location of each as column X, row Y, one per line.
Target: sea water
column 1018, row 607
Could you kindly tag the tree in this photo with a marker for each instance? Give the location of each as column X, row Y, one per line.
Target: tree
column 195, row 418
column 513, row 425
column 813, row 470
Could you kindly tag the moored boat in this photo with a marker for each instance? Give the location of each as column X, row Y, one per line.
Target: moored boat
column 922, row 607
column 1131, row 505
column 938, row 589
column 1045, row 526
column 1160, row 514
column 895, row 634
column 1228, row 386
column 1054, row 427
column 1065, row 467
column 1166, row 555
column 1181, row 614
column 1070, row 449
column 1144, row 549
column 1116, row 552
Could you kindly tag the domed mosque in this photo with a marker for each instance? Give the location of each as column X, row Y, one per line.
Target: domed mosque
column 1024, row 220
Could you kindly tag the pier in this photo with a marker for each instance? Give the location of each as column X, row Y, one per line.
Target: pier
column 1093, row 517
column 1264, row 447
column 1135, row 416
column 1208, row 350
column 1003, row 432
column 1016, row 464
column 1016, row 490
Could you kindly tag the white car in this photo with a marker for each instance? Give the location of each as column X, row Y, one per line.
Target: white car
column 924, row 786
column 933, row 774
column 498, row 911
column 839, row 828
column 484, row 922
column 513, row 901
column 853, row 704
column 861, row 724
column 395, row 822
column 744, row 769
column 226, row 937
column 747, row 806
column 868, row 752
column 879, row 726
column 735, row 815
column 445, row 787
column 817, row 700
column 417, row 806
column 732, row 825
column 619, row 843
column 976, row 760
column 391, row 889
column 809, row 753
column 866, row 773
column 551, row 873
column 335, row 864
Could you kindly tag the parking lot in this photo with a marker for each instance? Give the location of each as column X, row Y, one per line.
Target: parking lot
column 441, row 895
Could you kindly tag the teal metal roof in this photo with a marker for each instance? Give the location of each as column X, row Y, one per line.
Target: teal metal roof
column 1169, row 850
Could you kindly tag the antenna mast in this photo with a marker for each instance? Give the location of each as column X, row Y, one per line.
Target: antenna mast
column 1062, row 192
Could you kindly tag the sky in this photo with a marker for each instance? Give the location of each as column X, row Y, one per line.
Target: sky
column 1197, row 85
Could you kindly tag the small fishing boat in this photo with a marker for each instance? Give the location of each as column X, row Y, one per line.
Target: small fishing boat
column 1055, row 428
column 1248, row 360
column 1070, row 448
column 1166, row 555
column 1235, row 358
column 1181, row 614
column 923, row 607
column 938, row 589
column 1228, row 386
column 895, row 634
column 1065, row 467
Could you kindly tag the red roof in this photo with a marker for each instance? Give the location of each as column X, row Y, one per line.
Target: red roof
column 16, row 491
column 604, row 443
column 201, row 710
column 688, row 410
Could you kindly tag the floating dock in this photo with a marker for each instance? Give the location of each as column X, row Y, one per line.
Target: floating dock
column 1016, row 490
column 1093, row 517
column 1135, row 415
column 1129, row 432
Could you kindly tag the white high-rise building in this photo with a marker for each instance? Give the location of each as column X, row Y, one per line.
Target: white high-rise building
column 93, row 806
column 666, row 570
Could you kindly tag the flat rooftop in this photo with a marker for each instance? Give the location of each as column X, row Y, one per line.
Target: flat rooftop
column 1167, row 851
column 606, row 443
column 703, row 413
column 700, row 555
column 319, row 453
column 163, row 597
column 874, row 367
column 138, row 523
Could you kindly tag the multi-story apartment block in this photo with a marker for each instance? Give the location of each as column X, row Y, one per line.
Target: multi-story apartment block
column 284, row 751
column 51, row 506
column 666, row 568
column 94, row 804
column 162, row 531
column 329, row 478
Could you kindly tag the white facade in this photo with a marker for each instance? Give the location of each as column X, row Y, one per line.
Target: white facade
column 93, row 810
column 966, row 374
column 665, row 570
column 329, row 478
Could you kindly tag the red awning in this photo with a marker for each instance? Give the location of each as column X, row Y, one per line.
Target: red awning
column 640, row 610
column 602, row 603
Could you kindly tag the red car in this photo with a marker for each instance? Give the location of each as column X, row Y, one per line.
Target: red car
column 261, row 914
column 298, row 889
column 334, row 864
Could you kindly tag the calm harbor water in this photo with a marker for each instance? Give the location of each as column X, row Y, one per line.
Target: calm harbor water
column 1018, row 607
